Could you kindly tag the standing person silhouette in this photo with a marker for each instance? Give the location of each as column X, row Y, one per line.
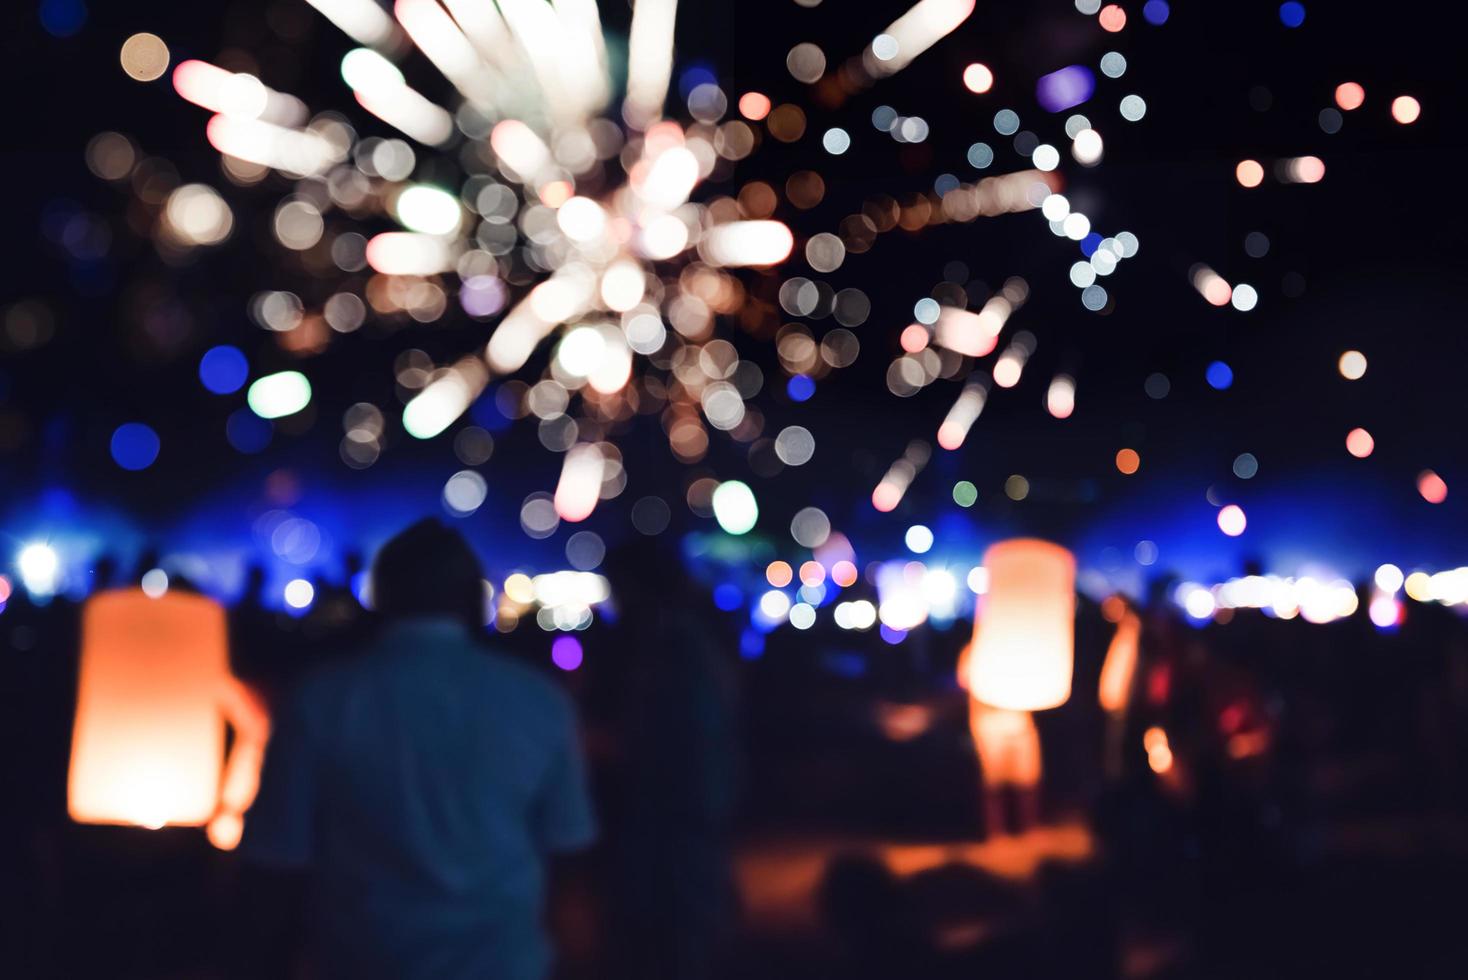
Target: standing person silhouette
column 423, row 784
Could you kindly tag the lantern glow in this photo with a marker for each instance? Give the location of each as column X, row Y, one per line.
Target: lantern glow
column 1024, row 637
column 154, row 695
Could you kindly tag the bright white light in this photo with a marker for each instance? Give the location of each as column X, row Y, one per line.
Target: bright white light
column 1199, row 603
column 775, row 605
column 1060, row 399
column 278, row 395
column 836, row 141
column 940, row 588
column 1087, row 148
column 429, row 210
column 670, row 179
column 918, row 539
column 1245, row 297
column 802, row 615
column 581, row 350
column 748, row 243
column 579, row 487
column 361, row 20
column 582, row 219
column 1232, row 521
column 622, row 285
column 1055, row 207
column 406, row 253
column 444, row 399
column 365, row 70
column 154, row 583
column 734, row 507
column 1389, row 578
column 299, row 593
column 978, row 580
column 926, row 23
column 1045, row 157
column 464, row 493
column 39, row 568
column 649, row 60
column 1077, row 226
column 665, row 236
column 1385, row 611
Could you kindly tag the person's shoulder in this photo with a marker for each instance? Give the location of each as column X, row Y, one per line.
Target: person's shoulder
column 521, row 680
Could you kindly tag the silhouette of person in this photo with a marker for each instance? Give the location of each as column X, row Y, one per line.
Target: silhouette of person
column 423, row 784
column 677, row 721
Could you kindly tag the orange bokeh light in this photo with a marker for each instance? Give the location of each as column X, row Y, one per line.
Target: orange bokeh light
column 779, row 574
column 1250, row 173
column 914, row 338
column 812, row 573
column 556, row 193
column 1359, row 443
column 1433, row 488
column 1308, row 170
column 754, row 105
column 1349, row 95
column 886, row 497
column 1128, row 461
column 977, row 78
column 1112, row 18
column 844, row 573
column 1406, row 109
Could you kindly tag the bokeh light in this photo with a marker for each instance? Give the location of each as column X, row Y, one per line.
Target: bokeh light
column 1359, row 443
column 1433, row 488
column 977, row 78
column 1231, row 520
column 134, row 446
column 734, row 507
column 144, row 57
column 223, row 369
column 566, row 652
column 1406, row 110
column 1349, row 95
column 1352, row 365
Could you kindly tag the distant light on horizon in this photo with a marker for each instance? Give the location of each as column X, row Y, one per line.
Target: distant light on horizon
column 39, row 567
column 299, row 593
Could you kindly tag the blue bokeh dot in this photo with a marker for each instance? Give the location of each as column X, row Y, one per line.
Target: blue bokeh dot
column 800, row 388
column 248, row 432
column 1090, row 243
column 1156, row 12
column 728, row 597
column 751, row 644
column 223, row 369
column 486, row 412
column 1292, row 14
column 134, row 446
column 695, row 75
column 63, row 18
column 1220, row 375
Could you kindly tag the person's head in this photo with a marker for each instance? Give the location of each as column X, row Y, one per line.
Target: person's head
column 428, row 570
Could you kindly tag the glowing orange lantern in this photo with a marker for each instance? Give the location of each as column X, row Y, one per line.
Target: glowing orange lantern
column 154, row 695
column 1024, row 641
column 1120, row 666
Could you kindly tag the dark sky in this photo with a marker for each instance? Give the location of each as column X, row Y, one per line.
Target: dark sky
column 1377, row 246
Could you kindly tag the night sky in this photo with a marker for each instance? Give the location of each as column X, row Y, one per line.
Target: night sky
column 1369, row 258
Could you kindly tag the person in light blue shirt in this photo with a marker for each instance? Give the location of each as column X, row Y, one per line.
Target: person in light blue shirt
column 423, row 785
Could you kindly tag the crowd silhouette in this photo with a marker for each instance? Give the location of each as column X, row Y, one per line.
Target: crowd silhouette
column 1311, row 795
